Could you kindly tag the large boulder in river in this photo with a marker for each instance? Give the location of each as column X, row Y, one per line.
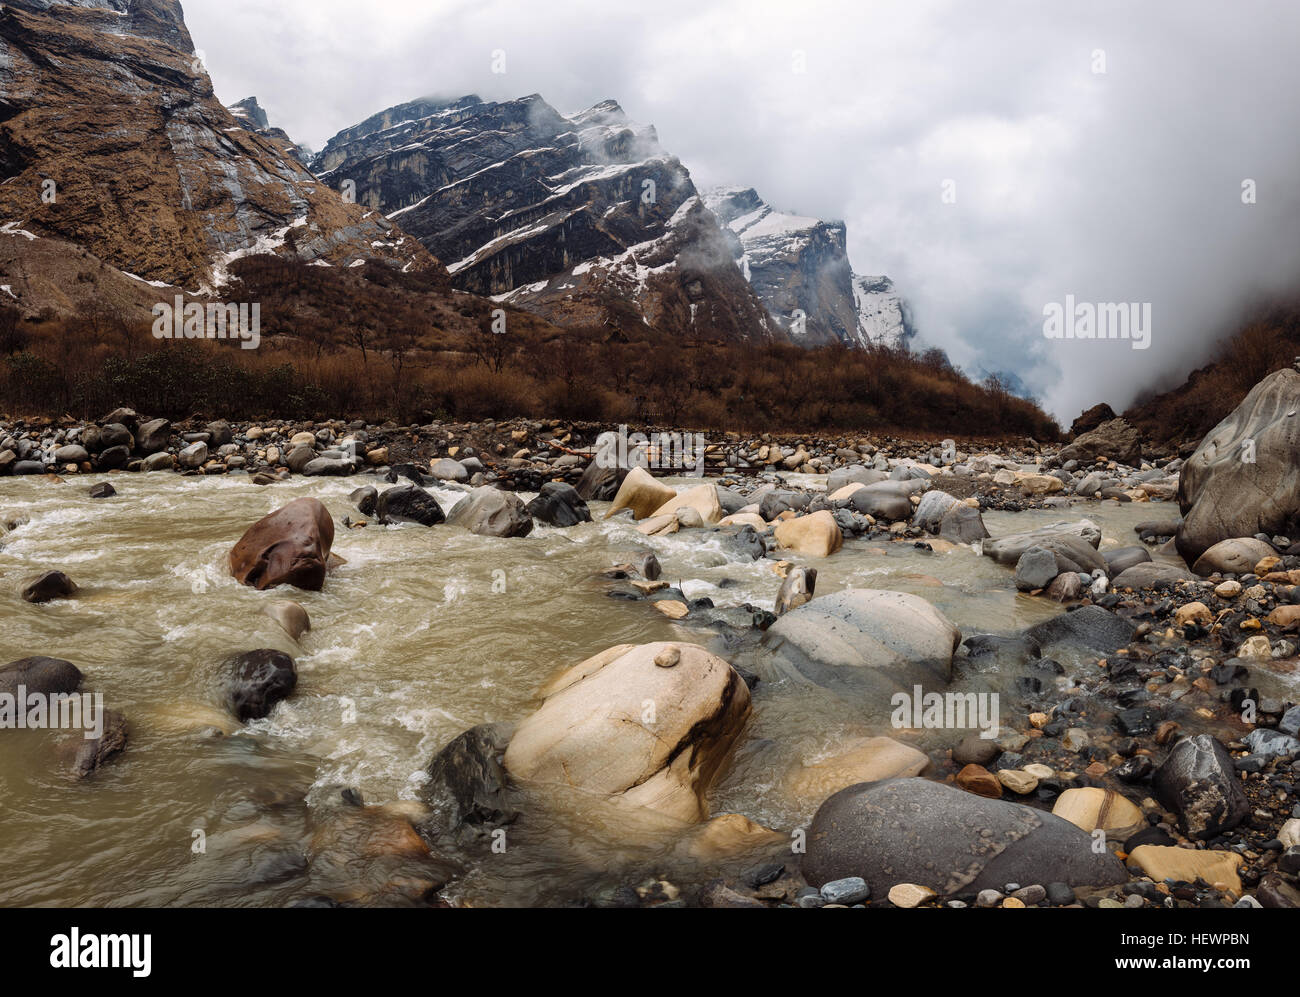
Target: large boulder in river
column 1007, row 550
column 641, row 493
column 466, row 780
column 917, row 831
column 702, row 498
column 933, row 507
column 893, row 639
column 962, row 524
column 1035, row 569
column 798, row 588
column 490, row 512
column 290, row 615
column 1237, row 556
column 41, row 675
column 650, row 726
column 814, row 535
column 1114, row 440
column 602, row 477
column 256, row 680
column 1122, row 558
column 889, row 500
column 1244, row 478
column 1089, row 627
column 559, row 504
column 290, row 546
column 408, row 503
column 1069, row 554
column 48, row 586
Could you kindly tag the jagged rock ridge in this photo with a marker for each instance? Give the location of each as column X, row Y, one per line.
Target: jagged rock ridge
column 249, row 113
column 583, row 219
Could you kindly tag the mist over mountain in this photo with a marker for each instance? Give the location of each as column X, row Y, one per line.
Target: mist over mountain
column 1122, row 185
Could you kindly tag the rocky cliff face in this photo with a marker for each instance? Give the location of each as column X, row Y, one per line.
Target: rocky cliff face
column 583, row 219
column 800, row 268
column 152, row 176
column 249, row 113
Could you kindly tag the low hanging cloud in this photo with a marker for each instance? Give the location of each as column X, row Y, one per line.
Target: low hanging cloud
column 991, row 158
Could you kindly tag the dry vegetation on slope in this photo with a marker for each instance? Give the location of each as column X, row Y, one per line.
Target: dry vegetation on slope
column 373, row 343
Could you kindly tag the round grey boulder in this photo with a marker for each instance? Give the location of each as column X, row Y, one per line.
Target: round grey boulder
column 893, row 639
column 916, row 831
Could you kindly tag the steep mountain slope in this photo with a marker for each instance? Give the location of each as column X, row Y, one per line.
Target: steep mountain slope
column 800, row 268
column 583, row 219
column 151, row 174
column 882, row 312
column 1266, row 339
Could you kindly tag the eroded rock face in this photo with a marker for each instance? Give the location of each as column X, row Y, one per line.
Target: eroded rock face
column 129, row 147
column 650, row 726
column 547, row 211
column 800, row 265
column 291, row 546
column 916, row 831
column 870, row 635
column 1244, row 478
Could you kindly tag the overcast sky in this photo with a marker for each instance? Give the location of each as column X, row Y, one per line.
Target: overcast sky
column 1095, row 148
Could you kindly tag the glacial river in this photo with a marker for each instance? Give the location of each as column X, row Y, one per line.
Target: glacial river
column 421, row 634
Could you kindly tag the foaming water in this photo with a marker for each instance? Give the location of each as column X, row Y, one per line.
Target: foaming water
column 420, row 634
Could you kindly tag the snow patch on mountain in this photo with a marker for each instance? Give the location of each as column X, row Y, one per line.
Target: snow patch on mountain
column 799, row 265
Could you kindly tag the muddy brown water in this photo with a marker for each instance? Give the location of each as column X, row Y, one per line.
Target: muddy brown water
column 420, row 635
